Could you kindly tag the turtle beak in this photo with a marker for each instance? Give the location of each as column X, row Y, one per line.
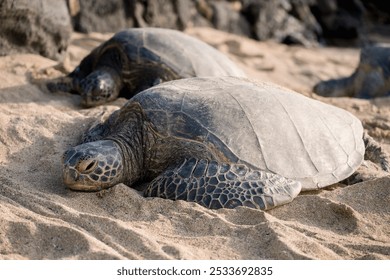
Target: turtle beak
column 70, row 176
column 75, row 182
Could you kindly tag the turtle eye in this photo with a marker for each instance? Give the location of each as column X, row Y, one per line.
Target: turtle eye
column 87, row 166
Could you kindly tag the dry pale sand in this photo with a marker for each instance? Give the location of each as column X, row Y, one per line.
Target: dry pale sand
column 41, row 219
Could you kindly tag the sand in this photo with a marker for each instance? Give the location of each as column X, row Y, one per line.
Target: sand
column 41, row 219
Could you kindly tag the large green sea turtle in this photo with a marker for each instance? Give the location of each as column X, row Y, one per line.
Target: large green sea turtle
column 138, row 58
column 221, row 142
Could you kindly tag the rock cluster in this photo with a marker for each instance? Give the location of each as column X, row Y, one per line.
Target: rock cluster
column 44, row 26
column 304, row 22
column 39, row 26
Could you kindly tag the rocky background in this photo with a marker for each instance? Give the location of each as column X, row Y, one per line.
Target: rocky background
column 45, row 26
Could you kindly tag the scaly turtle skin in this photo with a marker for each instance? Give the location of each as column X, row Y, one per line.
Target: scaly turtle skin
column 221, row 142
column 138, row 58
column 371, row 78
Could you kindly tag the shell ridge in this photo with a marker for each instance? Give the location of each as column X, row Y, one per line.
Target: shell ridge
column 350, row 125
column 356, row 144
column 146, row 99
column 331, row 132
column 354, row 139
column 182, row 102
column 139, row 47
column 297, row 131
column 253, row 129
column 189, row 56
column 208, row 132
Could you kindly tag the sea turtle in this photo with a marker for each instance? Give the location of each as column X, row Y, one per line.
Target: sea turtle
column 370, row 79
column 221, row 142
column 138, row 58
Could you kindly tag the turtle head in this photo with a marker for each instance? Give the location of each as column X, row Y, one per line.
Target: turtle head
column 99, row 87
column 93, row 166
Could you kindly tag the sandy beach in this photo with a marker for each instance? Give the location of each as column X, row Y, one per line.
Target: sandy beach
column 41, row 219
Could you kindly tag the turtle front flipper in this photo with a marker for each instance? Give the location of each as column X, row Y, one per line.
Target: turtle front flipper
column 216, row 185
column 62, row 84
column 336, row 87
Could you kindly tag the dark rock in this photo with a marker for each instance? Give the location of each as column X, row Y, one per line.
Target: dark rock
column 114, row 15
column 186, row 11
column 174, row 14
column 340, row 19
column 282, row 20
column 304, row 22
column 157, row 14
column 199, row 13
column 102, row 16
column 40, row 26
column 225, row 18
column 378, row 11
column 377, row 22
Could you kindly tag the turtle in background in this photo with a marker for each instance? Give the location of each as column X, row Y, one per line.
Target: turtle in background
column 222, row 142
column 370, row 79
column 138, row 58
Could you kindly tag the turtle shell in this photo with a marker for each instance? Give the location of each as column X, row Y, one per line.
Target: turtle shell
column 182, row 55
column 260, row 124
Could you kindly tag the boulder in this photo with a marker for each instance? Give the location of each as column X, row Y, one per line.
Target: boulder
column 341, row 20
column 39, row 26
column 284, row 21
column 101, row 16
column 227, row 18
